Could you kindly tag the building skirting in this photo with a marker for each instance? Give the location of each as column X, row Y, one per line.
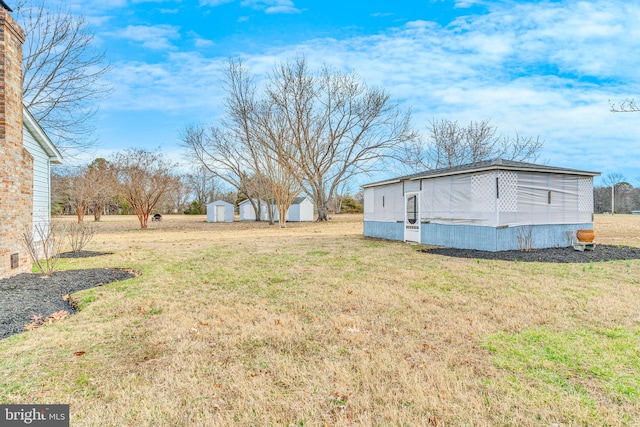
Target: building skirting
column 482, row 238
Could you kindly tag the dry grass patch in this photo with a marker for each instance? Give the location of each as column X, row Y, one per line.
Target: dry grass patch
column 247, row 324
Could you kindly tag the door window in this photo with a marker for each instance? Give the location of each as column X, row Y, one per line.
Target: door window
column 412, row 209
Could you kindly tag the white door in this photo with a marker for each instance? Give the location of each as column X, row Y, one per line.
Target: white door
column 412, row 217
column 220, row 213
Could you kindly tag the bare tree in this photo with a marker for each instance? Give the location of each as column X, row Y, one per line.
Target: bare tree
column 258, row 185
column 62, row 73
column 178, row 198
column 626, row 106
column 76, row 189
column 274, row 146
column 101, row 177
column 143, row 178
column 320, row 128
column 224, row 154
column 227, row 150
column 203, row 186
column 449, row 144
column 341, row 127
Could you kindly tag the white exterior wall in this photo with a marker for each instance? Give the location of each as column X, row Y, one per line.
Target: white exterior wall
column 41, row 180
column 293, row 214
column 384, row 203
column 493, row 198
column 212, row 211
column 247, row 213
column 306, row 210
column 550, row 199
column 459, row 199
column 300, row 212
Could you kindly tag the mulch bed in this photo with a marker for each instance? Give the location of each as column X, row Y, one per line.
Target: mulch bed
column 28, row 296
column 83, row 254
column 551, row 255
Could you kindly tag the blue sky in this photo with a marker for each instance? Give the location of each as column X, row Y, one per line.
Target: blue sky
column 542, row 69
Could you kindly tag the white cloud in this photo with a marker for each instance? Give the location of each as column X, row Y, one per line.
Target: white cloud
column 268, row 6
column 185, row 82
column 158, row 37
column 272, row 6
column 543, row 69
column 272, row 10
column 203, row 43
column 539, row 69
column 465, row 4
column 214, row 2
column 149, row 1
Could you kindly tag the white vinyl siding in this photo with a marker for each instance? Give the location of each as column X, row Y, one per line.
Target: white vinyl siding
column 41, row 180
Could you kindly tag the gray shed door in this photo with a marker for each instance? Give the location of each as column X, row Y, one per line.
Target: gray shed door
column 220, row 213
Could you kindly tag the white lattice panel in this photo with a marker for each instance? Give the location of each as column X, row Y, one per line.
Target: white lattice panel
column 484, row 192
column 585, row 195
column 508, row 186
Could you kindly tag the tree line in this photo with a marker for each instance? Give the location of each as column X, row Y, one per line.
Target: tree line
column 134, row 181
column 616, row 195
column 143, row 183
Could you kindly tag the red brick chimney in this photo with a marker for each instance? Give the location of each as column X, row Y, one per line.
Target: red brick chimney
column 16, row 164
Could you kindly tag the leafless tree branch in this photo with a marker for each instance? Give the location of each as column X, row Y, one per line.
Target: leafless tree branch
column 63, row 74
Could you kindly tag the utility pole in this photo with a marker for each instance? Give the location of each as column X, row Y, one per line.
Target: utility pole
column 613, row 199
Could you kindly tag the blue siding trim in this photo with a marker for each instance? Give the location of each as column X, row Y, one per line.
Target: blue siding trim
column 459, row 236
column 480, row 237
column 384, row 230
column 543, row 236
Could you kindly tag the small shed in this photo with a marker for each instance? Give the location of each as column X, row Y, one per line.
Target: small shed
column 248, row 213
column 220, row 211
column 301, row 210
column 492, row 205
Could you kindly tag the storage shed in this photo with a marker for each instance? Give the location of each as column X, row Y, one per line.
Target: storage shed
column 301, row 210
column 491, row 205
column 220, row 211
column 247, row 213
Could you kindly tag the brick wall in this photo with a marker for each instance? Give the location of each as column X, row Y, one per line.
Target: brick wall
column 16, row 164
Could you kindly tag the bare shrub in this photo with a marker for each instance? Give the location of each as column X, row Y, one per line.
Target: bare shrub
column 80, row 234
column 525, row 239
column 43, row 242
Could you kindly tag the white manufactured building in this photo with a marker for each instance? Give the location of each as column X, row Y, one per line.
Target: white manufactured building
column 487, row 205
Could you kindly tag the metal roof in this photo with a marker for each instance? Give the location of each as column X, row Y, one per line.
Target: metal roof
column 482, row 166
column 298, row 200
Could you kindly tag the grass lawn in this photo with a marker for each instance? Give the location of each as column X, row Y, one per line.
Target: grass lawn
column 314, row 325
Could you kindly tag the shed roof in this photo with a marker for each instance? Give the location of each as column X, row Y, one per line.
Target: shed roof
column 299, row 200
column 483, row 166
column 220, row 202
